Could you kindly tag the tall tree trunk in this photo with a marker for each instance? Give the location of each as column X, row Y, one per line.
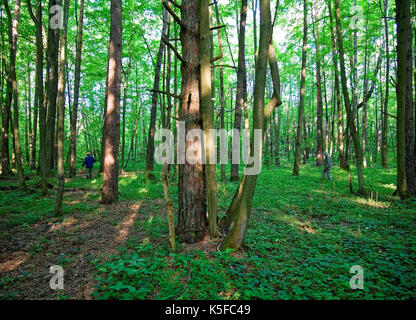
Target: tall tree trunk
column 207, row 112
column 112, row 118
column 125, row 89
column 387, row 84
column 350, row 114
column 241, row 204
column 340, row 120
column 61, row 112
column 52, row 59
column 319, row 104
column 403, row 25
column 192, row 220
column 151, row 139
column 77, row 81
column 409, row 121
column 12, row 94
column 241, row 95
column 40, row 101
column 222, row 92
column 301, row 110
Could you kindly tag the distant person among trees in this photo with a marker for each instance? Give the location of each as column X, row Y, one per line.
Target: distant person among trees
column 89, row 164
column 327, row 166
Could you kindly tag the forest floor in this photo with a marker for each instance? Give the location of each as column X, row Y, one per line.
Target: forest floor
column 304, row 235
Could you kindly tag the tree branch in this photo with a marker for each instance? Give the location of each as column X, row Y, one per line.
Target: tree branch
column 216, row 58
column 173, row 49
column 217, row 27
column 173, row 14
column 166, row 93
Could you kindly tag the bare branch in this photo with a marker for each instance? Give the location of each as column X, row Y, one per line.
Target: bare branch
column 216, row 58
column 172, row 13
column 217, row 27
column 166, row 93
column 173, row 49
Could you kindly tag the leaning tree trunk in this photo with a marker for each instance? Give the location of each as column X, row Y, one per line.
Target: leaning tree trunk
column 61, row 112
column 240, row 206
column 112, row 118
column 301, row 110
column 350, row 115
column 241, row 96
column 77, row 81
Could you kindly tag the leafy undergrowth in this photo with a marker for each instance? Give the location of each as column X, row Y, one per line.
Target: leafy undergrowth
column 303, row 238
column 304, row 235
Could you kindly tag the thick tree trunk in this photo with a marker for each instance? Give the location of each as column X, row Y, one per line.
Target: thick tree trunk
column 409, row 122
column 403, row 25
column 112, row 118
column 192, row 220
column 61, row 112
column 207, row 112
column 241, row 96
column 301, row 110
column 77, row 81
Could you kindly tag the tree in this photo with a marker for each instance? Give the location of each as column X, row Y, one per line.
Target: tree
column 112, row 118
column 207, row 111
column 151, row 139
column 241, row 96
column 12, row 94
column 74, row 111
column 301, row 110
column 61, row 112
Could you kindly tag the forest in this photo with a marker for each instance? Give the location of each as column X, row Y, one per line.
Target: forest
column 208, row 149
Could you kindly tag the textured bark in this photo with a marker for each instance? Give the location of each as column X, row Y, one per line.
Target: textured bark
column 52, row 60
column 192, row 219
column 409, row 121
column 403, row 25
column 241, row 95
column 61, row 112
column 301, row 109
column 207, row 111
column 77, row 81
column 112, row 119
column 151, row 137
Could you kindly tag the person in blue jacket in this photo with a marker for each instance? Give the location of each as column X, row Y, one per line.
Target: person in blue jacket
column 89, row 163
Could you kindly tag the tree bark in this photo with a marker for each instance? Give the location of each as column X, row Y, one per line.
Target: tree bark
column 403, row 25
column 207, row 112
column 241, row 95
column 112, row 118
column 192, row 220
column 61, row 112
column 301, row 110
column 77, row 81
